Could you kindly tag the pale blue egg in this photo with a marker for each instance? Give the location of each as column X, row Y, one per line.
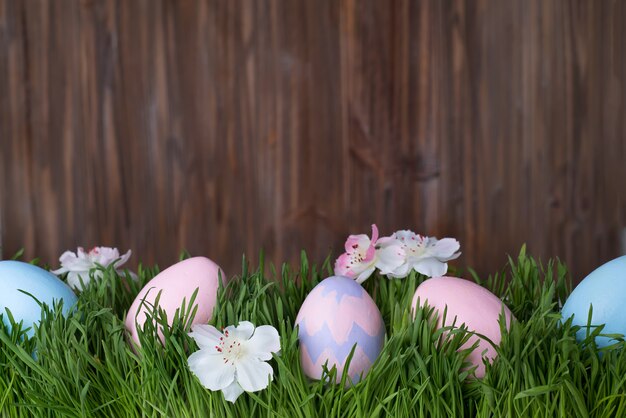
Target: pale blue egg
column 604, row 290
column 17, row 277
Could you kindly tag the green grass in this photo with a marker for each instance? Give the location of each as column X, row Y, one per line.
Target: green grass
column 83, row 365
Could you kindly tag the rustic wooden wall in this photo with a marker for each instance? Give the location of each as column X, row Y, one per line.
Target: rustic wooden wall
column 227, row 126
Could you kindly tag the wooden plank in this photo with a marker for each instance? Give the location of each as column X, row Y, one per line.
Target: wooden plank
column 227, row 126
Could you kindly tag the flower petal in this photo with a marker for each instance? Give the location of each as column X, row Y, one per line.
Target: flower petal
column 232, row 392
column 404, row 235
column 445, row 248
column 74, row 280
column 374, row 233
column 370, row 254
column 386, row 241
column 390, row 258
column 206, row 336
column 103, row 255
column 253, row 375
column 452, row 257
column 365, row 274
column 124, row 259
column 400, row 272
column 264, row 342
column 67, row 257
column 243, row 331
column 341, row 266
column 355, row 241
column 211, row 370
column 431, row 267
column 75, row 263
column 59, row 271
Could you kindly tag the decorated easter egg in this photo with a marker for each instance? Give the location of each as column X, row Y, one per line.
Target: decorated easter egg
column 469, row 304
column 604, row 290
column 175, row 285
column 336, row 316
column 16, row 278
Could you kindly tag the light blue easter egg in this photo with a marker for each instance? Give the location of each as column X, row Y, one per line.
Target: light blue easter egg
column 41, row 284
column 604, row 290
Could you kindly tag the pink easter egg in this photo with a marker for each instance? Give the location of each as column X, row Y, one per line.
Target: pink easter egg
column 177, row 283
column 470, row 304
column 336, row 316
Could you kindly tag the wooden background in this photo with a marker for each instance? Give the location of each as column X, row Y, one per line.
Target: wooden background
column 228, row 126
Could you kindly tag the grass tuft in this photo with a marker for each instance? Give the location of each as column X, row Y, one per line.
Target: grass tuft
column 83, row 365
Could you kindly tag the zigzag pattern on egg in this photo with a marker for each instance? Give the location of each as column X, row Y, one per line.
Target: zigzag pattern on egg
column 321, row 347
column 337, row 315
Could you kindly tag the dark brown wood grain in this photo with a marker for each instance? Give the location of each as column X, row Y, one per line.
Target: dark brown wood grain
column 228, row 126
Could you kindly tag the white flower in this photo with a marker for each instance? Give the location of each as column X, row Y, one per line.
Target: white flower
column 234, row 361
column 78, row 265
column 363, row 255
column 426, row 255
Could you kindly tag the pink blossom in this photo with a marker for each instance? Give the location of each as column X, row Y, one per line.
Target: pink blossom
column 81, row 266
column 363, row 256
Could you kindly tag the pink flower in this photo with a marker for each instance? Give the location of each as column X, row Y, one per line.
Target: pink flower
column 81, row 266
column 363, row 256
